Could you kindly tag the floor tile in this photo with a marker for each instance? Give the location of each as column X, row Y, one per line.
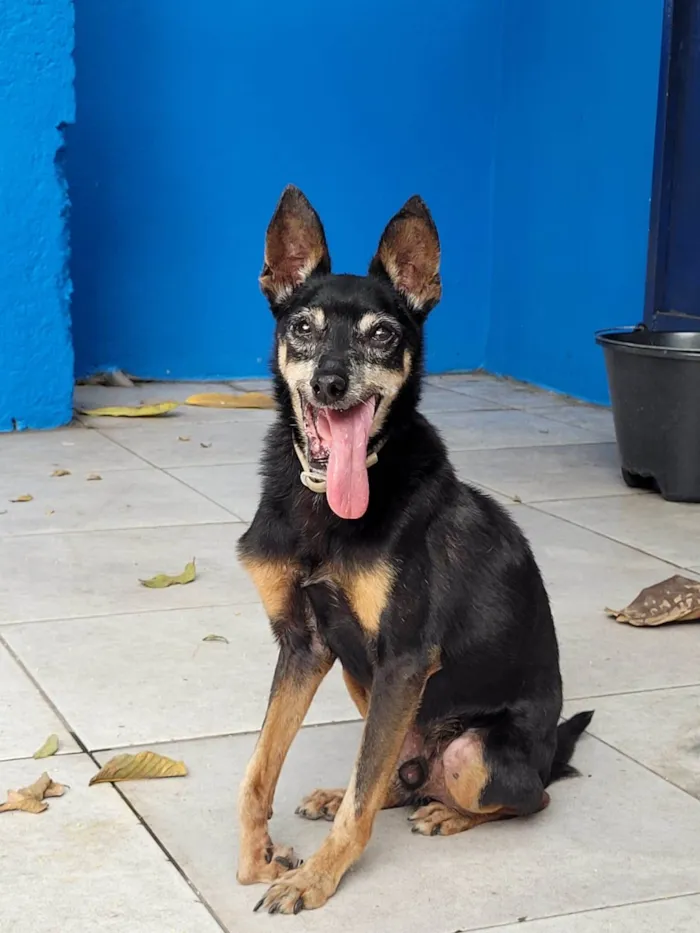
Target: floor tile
column 151, row 678
column 235, row 486
column 436, row 399
column 253, row 385
column 660, row 729
column 591, row 417
column 214, row 442
column 584, row 852
column 507, row 393
column 97, row 573
column 87, row 864
column 669, row 530
column 87, row 397
column 676, row 915
column 27, row 719
column 120, row 499
column 484, row 430
column 536, row 474
column 39, row 453
column 585, row 573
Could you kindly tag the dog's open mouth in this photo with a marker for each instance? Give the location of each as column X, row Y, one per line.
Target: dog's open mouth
column 337, row 446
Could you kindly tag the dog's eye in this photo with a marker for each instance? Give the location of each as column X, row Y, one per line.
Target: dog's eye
column 382, row 334
column 301, row 328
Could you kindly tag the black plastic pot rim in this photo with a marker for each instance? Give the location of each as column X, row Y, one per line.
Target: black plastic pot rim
column 604, row 338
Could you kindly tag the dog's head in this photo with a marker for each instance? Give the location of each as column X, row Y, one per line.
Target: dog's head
column 348, row 348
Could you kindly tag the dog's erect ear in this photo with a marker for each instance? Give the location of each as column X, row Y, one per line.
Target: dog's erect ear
column 295, row 247
column 409, row 256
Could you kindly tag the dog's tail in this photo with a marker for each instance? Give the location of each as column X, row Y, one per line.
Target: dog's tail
column 568, row 734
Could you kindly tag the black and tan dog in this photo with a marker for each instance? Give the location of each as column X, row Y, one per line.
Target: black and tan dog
column 367, row 549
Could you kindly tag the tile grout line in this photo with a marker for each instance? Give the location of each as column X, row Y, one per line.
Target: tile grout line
column 115, row 615
column 575, row 913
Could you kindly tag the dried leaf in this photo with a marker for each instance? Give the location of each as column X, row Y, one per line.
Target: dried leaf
column 216, row 638
column 132, row 411
column 183, row 437
column 206, row 446
column 162, row 580
column 61, row 473
column 25, row 498
column 142, row 766
column 229, row 400
column 49, row 748
column 674, row 600
column 31, row 799
column 93, row 477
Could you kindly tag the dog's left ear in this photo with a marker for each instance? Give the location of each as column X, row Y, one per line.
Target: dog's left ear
column 295, row 247
column 409, row 256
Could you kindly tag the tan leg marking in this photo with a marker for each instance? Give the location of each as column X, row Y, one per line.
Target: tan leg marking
column 368, row 590
column 259, row 859
column 358, row 694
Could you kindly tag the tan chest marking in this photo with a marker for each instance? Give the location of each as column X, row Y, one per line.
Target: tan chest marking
column 368, row 591
column 274, row 581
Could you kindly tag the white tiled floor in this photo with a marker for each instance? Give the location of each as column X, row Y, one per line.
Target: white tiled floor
column 88, row 653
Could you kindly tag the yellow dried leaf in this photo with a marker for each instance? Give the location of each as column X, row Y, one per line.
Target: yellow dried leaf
column 61, row 473
column 24, row 498
column 216, row 638
column 183, row 437
column 674, row 600
column 162, row 580
column 93, row 477
column 31, row 799
column 49, row 748
column 139, row 767
column 132, row 411
column 229, row 400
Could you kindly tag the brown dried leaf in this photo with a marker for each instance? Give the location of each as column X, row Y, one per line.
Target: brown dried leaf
column 61, row 473
column 216, row 638
column 674, row 600
column 229, row 400
column 49, row 748
column 25, row 498
column 161, row 580
column 206, row 446
column 31, row 799
column 142, row 766
column 132, row 411
column 183, row 437
column 93, row 477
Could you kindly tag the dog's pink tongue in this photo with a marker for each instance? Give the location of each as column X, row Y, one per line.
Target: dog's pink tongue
column 347, row 435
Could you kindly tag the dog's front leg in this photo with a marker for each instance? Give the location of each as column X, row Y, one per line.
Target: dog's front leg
column 396, row 693
column 300, row 669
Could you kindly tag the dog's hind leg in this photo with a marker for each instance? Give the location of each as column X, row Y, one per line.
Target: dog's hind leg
column 473, row 784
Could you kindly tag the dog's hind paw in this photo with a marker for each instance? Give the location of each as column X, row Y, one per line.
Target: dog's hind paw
column 321, row 805
column 436, row 819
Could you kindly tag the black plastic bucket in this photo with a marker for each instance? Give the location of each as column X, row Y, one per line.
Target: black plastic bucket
column 654, row 383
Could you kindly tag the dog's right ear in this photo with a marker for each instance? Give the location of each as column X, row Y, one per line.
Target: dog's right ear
column 295, row 247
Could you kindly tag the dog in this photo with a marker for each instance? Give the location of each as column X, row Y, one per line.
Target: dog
column 366, row 549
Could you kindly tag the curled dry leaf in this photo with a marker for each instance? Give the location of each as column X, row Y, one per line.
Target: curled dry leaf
column 31, row 799
column 161, row 580
column 93, row 477
column 25, row 498
column 206, row 446
column 61, row 473
column 229, row 400
column 49, row 748
column 674, row 600
column 132, row 411
column 183, row 437
column 140, row 767
column 216, row 638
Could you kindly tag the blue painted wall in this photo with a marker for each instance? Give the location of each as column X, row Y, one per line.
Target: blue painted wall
column 526, row 124
column 36, row 97
column 191, row 119
column 573, row 157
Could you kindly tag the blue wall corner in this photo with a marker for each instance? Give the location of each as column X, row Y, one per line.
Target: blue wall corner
column 36, row 101
column 189, row 125
column 574, row 154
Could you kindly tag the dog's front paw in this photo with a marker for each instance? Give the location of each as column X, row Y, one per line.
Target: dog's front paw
column 321, row 805
column 303, row 889
column 266, row 863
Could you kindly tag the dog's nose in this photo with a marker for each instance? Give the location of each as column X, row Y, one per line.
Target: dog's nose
column 329, row 388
